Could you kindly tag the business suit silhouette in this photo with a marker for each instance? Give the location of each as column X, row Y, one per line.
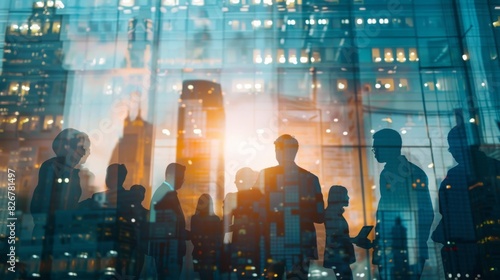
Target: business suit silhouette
column 168, row 231
column 293, row 203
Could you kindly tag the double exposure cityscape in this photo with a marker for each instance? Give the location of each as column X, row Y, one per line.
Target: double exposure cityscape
column 250, row 139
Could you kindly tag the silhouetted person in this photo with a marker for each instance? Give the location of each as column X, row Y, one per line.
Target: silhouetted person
column 168, row 232
column 400, row 250
column 404, row 194
column 339, row 251
column 206, row 236
column 117, row 199
column 293, row 203
column 244, row 248
column 468, row 202
column 247, row 227
column 115, row 195
column 58, row 188
column 245, row 179
column 139, row 218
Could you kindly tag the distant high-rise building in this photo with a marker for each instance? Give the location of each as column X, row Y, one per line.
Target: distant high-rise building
column 134, row 150
column 200, row 142
column 32, row 93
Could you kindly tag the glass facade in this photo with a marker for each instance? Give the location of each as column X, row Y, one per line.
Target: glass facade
column 212, row 84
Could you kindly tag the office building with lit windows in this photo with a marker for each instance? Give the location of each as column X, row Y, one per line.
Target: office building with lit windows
column 331, row 73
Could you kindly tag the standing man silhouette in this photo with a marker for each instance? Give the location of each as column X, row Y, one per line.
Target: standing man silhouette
column 469, row 200
column 293, row 203
column 404, row 195
column 58, row 189
column 168, row 233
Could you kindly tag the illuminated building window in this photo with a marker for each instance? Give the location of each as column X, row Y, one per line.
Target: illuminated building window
column 385, row 84
column 34, row 123
column 341, row 84
column 409, row 21
column 376, row 55
column 316, row 57
column 256, row 24
column 235, row 24
column 170, row 2
column 46, row 28
column 48, row 123
column 257, row 56
column 290, row 4
column 292, row 56
column 268, row 23
column 388, row 57
column 497, row 22
column 23, row 123
column 429, row 86
column 401, row 55
column 413, row 54
column 234, row 2
column 25, row 88
column 14, row 28
column 35, row 28
column 128, row 3
column 268, row 59
column 14, row 88
column 198, row 2
column 403, row 84
column 303, row 56
column 280, row 55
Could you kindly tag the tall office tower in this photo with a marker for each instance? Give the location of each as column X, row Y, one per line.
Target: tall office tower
column 200, row 143
column 134, row 150
column 32, row 92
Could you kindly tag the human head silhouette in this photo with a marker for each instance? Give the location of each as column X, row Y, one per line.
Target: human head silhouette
column 174, row 175
column 338, row 195
column 138, row 193
column 387, row 145
column 245, row 178
column 115, row 176
column 73, row 145
column 205, row 205
column 459, row 146
column 286, row 147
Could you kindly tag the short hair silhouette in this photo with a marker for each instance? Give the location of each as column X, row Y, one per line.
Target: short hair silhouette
column 115, row 175
column 138, row 192
column 388, row 138
column 337, row 194
column 245, row 178
column 67, row 138
column 175, row 169
column 138, row 189
column 457, row 137
column 286, row 141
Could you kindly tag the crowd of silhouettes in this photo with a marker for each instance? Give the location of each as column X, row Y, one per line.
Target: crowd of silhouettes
column 267, row 229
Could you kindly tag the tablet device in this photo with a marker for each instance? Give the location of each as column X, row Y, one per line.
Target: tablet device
column 363, row 233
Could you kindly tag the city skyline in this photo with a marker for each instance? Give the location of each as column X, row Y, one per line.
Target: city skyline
column 330, row 73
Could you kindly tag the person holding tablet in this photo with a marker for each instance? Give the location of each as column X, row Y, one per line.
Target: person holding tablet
column 339, row 251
